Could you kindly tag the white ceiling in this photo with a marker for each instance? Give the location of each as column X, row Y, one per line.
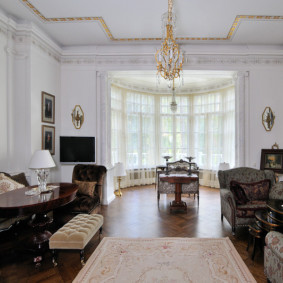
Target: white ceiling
column 103, row 22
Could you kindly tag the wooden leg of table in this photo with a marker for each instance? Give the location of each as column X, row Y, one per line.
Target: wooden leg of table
column 178, row 203
column 82, row 254
column 54, row 257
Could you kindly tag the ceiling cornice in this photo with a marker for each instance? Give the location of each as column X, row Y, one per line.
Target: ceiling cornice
column 165, row 91
column 231, row 33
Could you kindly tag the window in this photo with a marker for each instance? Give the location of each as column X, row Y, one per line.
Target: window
column 144, row 128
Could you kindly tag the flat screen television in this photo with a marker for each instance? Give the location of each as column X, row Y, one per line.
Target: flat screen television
column 77, row 149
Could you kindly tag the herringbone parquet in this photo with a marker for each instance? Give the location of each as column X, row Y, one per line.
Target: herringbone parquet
column 135, row 214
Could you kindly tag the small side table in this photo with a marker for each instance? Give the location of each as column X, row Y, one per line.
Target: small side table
column 255, row 236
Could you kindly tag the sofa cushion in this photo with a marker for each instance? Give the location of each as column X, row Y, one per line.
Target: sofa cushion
column 20, row 178
column 276, row 191
column 86, row 188
column 7, row 184
column 248, row 210
column 238, row 192
column 274, row 240
column 253, row 191
column 84, row 204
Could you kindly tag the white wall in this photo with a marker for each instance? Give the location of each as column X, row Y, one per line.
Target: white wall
column 78, row 87
column 266, row 85
column 29, row 65
column 45, row 76
column 3, row 100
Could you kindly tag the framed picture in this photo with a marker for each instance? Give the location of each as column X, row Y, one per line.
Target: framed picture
column 48, row 107
column 272, row 159
column 48, row 138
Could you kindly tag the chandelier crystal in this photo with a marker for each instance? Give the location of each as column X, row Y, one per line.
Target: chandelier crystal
column 169, row 58
column 173, row 104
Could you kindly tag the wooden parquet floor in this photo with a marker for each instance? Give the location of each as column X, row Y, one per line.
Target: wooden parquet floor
column 135, row 214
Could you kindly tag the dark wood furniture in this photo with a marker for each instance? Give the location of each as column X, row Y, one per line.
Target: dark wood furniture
column 270, row 219
column 16, row 203
column 276, row 209
column 178, row 180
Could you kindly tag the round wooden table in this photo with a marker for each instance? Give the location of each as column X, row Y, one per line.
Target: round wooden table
column 17, row 203
column 178, row 180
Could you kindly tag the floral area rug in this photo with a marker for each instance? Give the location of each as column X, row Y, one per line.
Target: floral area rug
column 165, row 260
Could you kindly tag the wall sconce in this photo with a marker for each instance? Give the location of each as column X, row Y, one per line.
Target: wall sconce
column 268, row 118
column 77, row 116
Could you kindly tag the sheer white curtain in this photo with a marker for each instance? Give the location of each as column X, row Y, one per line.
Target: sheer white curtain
column 144, row 129
column 133, row 135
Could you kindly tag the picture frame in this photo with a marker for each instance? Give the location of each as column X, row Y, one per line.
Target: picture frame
column 272, row 159
column 47, row 108
column 48, row 138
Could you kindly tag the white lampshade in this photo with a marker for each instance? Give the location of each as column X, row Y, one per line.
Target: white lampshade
column 224, row 166
column 119, row 170
column 41, row 159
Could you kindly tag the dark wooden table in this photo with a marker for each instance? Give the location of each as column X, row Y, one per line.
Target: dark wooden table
column 271, row 219
column 266, row 220
column 178, row 180
column 17, row 203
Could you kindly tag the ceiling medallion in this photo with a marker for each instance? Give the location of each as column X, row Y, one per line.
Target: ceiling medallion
column 169, row 58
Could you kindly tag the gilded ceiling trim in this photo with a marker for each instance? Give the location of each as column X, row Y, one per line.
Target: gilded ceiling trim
column 230, row 35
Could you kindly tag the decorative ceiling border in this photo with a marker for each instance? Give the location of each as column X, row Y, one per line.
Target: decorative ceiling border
column 189, row 90
column 106, row 29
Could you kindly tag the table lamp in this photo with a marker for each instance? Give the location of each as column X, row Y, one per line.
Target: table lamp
column 41, row 161
column 224, row 166
column 119, row 172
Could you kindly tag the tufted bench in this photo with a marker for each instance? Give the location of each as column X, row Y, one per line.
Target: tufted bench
column 76, row 234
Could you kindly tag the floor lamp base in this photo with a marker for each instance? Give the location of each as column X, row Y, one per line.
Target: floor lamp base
column 118, row 192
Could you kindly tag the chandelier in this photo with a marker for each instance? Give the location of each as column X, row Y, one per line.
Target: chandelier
column 173, row 104
column 169, row 58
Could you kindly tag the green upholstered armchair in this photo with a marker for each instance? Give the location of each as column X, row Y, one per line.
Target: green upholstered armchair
column 235, row 213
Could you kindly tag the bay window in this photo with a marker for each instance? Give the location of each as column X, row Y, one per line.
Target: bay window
column 144, row 129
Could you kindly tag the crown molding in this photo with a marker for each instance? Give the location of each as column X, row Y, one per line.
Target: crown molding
column 165, row 91
column 190, row 62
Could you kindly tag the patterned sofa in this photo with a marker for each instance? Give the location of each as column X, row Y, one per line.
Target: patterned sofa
column 8, row 183
column 240, row 213
column 273, row 257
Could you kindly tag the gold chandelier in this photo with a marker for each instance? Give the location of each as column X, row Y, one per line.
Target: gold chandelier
column 169, row 58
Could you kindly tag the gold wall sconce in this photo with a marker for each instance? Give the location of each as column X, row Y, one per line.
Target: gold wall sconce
column 268, row 118
column 77, row 116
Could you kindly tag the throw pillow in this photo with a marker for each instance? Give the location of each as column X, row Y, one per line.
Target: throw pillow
column 86, row 188
column 7, row 184
column 238, row 192
column 256, row 190
column 20, row 178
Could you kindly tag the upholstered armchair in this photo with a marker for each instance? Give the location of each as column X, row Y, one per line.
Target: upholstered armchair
column 240, row 211
column 178, row 167
column 273, row 257
column 90, row 179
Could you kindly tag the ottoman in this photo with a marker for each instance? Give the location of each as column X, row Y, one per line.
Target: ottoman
column 76, row 234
